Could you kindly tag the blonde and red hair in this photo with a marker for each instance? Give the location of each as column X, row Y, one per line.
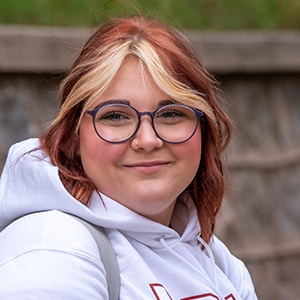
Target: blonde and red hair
column 175, row 68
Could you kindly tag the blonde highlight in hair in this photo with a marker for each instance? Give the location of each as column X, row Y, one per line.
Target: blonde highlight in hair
column 105, row 66
column 172, row 63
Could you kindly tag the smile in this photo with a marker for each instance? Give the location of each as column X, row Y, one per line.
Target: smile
column 147, row 167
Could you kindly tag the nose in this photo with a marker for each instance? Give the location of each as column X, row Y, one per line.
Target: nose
column 146, row 136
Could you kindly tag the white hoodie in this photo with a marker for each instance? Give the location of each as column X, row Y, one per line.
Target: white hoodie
column 50, row 255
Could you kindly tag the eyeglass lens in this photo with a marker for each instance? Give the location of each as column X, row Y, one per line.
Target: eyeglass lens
column 173, row 123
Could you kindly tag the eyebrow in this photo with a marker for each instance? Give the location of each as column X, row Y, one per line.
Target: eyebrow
column 127, row 102
column 113, row 101
column 166, row 102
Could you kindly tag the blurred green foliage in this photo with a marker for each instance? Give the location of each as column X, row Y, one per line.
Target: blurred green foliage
column 189, row 14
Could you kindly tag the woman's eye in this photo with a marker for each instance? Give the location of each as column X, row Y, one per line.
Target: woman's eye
column 114, row 116
column 171, row 114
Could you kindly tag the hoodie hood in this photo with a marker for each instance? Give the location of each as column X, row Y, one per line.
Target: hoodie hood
column 31, row 183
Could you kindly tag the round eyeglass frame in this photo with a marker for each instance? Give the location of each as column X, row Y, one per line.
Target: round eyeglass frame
column 139, row 114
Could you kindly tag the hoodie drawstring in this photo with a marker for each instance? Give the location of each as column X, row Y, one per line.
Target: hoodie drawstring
column 161, row 239
column 212, row 260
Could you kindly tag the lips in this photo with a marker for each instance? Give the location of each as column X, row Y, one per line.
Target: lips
column 147, row 167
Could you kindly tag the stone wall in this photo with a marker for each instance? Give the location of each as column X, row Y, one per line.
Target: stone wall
column 260, row 74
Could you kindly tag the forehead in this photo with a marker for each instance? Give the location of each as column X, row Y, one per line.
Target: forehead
column 134, row 84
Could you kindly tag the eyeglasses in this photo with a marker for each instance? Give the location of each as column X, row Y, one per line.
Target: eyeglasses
column 173, row 123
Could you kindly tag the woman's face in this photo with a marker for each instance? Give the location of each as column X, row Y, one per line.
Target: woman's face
column 148, row 179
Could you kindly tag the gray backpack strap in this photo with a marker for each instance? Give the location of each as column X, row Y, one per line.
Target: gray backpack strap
column 108, row 258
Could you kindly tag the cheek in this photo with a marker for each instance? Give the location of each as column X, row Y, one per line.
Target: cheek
column 91, row 151
column 195, row 158
column 192, row 149
column 191, row 156
column 96, row 154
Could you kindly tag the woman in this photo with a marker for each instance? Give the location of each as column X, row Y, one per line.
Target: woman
column 135, row 148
